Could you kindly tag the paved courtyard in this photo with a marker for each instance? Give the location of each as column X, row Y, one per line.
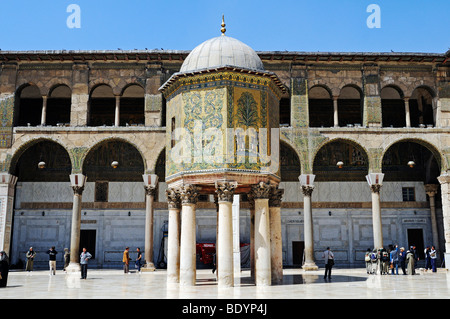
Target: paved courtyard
column 297, row 284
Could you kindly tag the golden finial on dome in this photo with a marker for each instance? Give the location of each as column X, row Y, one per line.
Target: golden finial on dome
column 223, row 26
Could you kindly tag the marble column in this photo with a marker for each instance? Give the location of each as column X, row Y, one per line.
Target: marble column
column 276, row 244
column 376, row 217
column 444, row 180
column 431, row 190
column 225, row 192
column 77, row 182
column 261, row 193
column 44, row 110
column 407, row 112
column 251, row 203
column 173, row 241
column 310, row 263
column 117, row 112
column 150, row 192
column 188, row 195
column 7, row 191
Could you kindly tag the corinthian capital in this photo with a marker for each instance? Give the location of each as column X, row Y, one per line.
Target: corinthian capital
column 150, row 190
column 225, row 190
column 261, row 190
column 78, row 190
column 375, row 188
column 188, row 194
column 173, row 198
column 307, row 190
column 275, row 197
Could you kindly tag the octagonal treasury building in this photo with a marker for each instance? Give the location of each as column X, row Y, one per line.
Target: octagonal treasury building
column 267, row 157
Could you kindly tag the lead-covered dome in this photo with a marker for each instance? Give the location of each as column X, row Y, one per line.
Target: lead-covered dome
column 222, row 51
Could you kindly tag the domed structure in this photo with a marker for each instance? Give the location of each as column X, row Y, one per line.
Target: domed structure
column 222, row 51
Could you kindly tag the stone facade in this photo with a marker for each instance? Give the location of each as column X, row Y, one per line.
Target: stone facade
column 41, row 213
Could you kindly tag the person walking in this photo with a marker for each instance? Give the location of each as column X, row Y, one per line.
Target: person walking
column 66, row 258
column 368, row 262
column 4, row 269
column 433, row 257
column 427, row 258
column 394, row 260
column 402, row 260
column 328, row 257
column 410, row 261
column 138, row 260
column 52, row 260
column 84, row 258
column 30, row 259
column 126, row 260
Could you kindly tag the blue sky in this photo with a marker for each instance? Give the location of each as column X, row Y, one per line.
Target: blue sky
column 292, row 25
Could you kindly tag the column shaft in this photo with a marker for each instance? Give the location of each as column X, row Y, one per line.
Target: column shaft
column 117, row 111
column 150, row 192
column 276, row 244
column 188, row 195
column 335, row 112
column 308, row 229
column 173, row 241
column 445, row 191
column 407, row 113
column 75, row 230
column 376, row 217
column 44, row 110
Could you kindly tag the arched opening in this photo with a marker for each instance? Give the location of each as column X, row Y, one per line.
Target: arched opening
column 115, row 167
column 98, row 165
column 392, row 107
column 410, row 161
column 58, row 106
column 28, row 106
column 102, row 106
column 44, row 161
column 341, row 160
column 290, row 168
column 160, row 167
column 320, row 107
column 350, row 106
column 132, row 106
column 421, row 107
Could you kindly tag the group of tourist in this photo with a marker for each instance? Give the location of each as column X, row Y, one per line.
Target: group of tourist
column 380, row 261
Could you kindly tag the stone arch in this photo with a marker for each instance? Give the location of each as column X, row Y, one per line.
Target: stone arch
column 440, row 158
column 132, row 105
column 289, row 159
column 27, row 105
column 54, row 83
column 94, row 145
column 102, row 104
column 320, row 106
column 350, row 105
column 103, row 81
column 421, row 106
column 25, row 145
column 359, row 163
column 393, row 106
column 114, row 153
column 59, row 104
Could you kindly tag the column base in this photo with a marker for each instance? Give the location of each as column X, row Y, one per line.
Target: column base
column 310, row 267
column 73, row 267
column 148, row 267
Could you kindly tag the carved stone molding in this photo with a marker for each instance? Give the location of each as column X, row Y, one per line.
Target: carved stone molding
column 307, row 190
column 375, row 188
column 261, row 190
column 275, row 197
column 188, row 194
column 150, row 190
column 225, row 191
column 78, row 190
column 173, row 198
